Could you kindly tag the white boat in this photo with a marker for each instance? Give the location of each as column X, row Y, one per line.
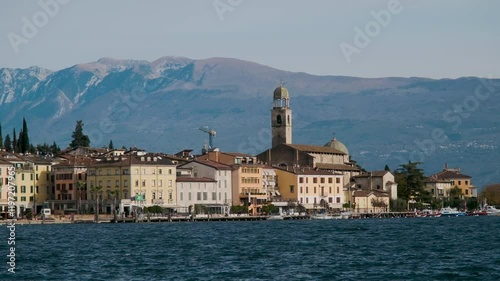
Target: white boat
column 275, row 217
column 451, row 212
column 324, row 217
column 492, row 211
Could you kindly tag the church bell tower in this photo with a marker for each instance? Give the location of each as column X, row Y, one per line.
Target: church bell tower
column 281, row 117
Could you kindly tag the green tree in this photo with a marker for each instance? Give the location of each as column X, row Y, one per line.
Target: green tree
column 24, row 140
column 14, row 141
column 111, row 146
column 7, row 143
column 80, row 186
column 397, row 205
column 387, row 168
column 472, row 204
column 19, row 145
column 79, row 139
column 97, row 191
column 410, row 179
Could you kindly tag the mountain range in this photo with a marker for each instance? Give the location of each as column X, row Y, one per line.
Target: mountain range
column 160, row 106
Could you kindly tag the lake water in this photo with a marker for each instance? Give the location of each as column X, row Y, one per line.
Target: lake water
column 466, row 248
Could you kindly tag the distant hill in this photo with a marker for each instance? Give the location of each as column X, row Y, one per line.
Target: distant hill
column 159, row 105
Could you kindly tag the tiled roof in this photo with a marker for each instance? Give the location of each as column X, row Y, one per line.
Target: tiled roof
column 365, row 193
column 449, row 174
column 190, row 179
column 213, row 164
column 305, row 171
column 315, row 149
column 127, row 160
column 337, row 167
column 374, row 174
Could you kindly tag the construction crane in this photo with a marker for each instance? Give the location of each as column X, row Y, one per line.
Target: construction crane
column 211, row 135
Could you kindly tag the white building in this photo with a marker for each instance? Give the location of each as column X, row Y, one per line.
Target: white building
column 219, row 172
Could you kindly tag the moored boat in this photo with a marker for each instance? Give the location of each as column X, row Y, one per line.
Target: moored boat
column 451, row 212
column 492, row 211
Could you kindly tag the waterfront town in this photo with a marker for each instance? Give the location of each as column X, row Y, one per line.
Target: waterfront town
column 286, row 179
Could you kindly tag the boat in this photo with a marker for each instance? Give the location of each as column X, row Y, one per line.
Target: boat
column 275, row 217
column 324, row 217
column 492, row 211
column 451, row 212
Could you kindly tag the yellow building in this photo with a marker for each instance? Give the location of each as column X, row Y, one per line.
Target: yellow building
column 311, row 188
column 132, row 181
column 457, row 179
column 4, row 181
column 371, row 201
column 247, row 186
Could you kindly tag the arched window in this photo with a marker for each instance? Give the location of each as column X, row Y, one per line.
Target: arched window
column 288, row 117
column 278, row 119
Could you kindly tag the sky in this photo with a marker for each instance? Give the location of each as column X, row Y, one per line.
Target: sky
column 387, row 38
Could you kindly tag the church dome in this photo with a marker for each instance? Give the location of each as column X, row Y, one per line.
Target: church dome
column 281, row 93
column 336, row 144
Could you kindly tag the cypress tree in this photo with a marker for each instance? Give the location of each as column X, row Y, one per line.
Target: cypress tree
column 19, row 146
column 7, row 144
column 14, row 141
column 25, row 141
column 111, row 146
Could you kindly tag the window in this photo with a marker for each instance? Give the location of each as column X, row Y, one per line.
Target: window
column 205, row 196
column 330, row 200
column 23, row 198
column 143, row 183
column 338, row 189
column 466, row 192
column 307, row 189
column 459, row 182
column 23, row 189
column 278, row 119
column 169, row 171
column 169, row 183
column 159, row 171
column 136, row 171
column 117, row 172
column 337, row 180
column 100, row 183
column 154, row 171
column 154, row 195
column 136, row 183
column 315, row 180
column 22, row 176
column 466, row 182
column 330, row 180
column 108, row 183
column 160, row 183
column 198, row 196
column 37, row 176
column 301, row 180
column 301, row 189
column 31, row 177
column 322, row 180
column 143, row 171
column 70, row 186
column 314, row 189
column 214, row 196
column 125, row 183
column 153, row 183
column 170, row 195
column 292, row 188
column 330, row 190
column 108, row 172
column 378, row 186
column 189, row 196
column 180, row 196
column 338, row 199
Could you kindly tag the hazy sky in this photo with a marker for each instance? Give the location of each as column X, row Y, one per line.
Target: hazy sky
column 431, row 38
